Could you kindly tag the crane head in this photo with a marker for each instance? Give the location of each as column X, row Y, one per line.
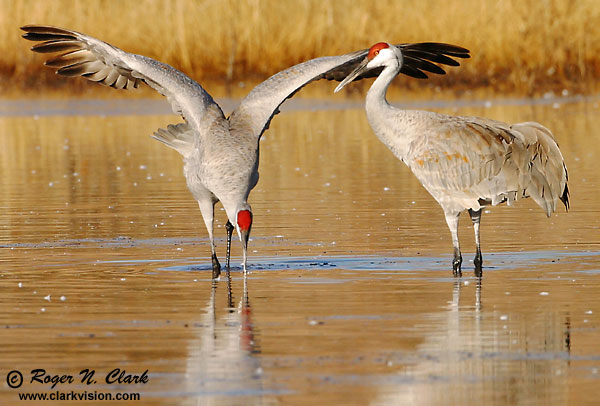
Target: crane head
column 374, row 50
column 244, row 220
column 380, row 54
column 243, row 226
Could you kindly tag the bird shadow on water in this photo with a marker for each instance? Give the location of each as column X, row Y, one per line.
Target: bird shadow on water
column 411, row 265
column 418, row 266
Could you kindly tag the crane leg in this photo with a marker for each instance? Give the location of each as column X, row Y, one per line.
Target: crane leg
column 216, row 266
column 478, row 261
column 229, row 228
column 207, row 208
column 452, row 220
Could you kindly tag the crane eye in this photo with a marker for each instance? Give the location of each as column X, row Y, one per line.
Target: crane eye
column 375, row 53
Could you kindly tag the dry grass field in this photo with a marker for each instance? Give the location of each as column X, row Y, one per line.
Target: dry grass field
column 520, row 46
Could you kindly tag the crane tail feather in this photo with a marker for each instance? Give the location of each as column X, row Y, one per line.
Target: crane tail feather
column 180, row 137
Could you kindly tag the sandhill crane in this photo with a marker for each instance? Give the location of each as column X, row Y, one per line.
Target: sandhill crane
column 465, row 163
column 220, row 154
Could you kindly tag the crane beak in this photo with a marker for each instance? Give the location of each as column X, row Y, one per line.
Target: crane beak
column 244, row 237
column 360, row 69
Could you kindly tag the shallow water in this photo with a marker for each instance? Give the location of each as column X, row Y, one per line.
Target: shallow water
column 350, row 298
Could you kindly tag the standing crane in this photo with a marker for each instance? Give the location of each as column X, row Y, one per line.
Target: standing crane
column 220, row 154
column 465, row 163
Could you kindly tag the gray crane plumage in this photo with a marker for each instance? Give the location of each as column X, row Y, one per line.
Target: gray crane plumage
column 220, row 153
column 465, row 163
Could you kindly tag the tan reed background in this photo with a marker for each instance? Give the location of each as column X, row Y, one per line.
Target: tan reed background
column 521, row 46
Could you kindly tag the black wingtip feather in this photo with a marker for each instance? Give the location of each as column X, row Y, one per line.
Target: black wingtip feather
column 45, row 29
column 422, row 64
column 33, row 36
column 413, row 72
column 56, row 46
column 438, row 47
column 76, row 69
column 429, row 56
column 423, row 56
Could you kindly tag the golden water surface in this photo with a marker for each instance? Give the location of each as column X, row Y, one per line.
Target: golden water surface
column 105, row 264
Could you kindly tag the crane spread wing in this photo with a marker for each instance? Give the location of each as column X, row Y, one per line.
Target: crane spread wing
column 95, row 60
column 258, row 108
column 472, row 161
column 418, row 58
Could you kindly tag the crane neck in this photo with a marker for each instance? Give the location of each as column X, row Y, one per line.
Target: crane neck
column 383, row 118
column 376, row 94
column 389, row 124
